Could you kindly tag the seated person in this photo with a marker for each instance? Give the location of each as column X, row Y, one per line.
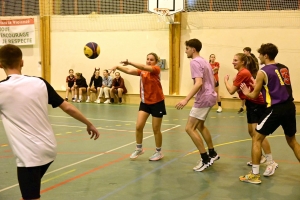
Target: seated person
column 97, row 81
column 70, row 84
column 117, row 88
column 80, row 87
column 105, row 88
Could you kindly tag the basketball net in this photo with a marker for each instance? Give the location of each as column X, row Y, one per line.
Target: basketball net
column 164, row 15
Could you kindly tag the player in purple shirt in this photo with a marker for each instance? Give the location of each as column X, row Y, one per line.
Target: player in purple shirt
column 204, row 85
column 273, row 80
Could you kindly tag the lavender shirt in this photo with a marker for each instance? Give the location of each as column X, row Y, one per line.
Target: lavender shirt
column 206, row 96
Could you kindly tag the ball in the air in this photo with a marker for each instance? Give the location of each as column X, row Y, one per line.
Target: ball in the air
column 91, row 50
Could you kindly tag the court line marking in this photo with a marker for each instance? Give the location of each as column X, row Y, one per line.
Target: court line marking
column 49, row 179
column 237, row 141
column 109, row 120
column 109, row 129
column 145, row 175
column 84, row 174
column 90, row 158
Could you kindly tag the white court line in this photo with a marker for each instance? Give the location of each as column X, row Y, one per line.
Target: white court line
column 84, row 160
column 109, row 120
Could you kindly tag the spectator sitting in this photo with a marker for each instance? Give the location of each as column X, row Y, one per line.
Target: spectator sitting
column 118, row 87
column 80, row 87
column 105, row 88
column 70, row 84
column 97, row 80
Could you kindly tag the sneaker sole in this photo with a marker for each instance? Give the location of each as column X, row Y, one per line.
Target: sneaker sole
column 215, row 158
column 132, row 158
column 273, row 171
column 156, row 159
column 247, row 181
column 209, row 164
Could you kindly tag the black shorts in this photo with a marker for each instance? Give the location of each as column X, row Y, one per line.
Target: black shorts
column 156, row 110
column 217, row 84
column 30, row 180
column 254, row 111
column 283, row 114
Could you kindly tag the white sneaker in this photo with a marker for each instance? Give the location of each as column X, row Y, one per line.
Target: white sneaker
column 219, row 109
column 87, row 101
column 97, row 101
column 270, row 170
column 202, row 166
column 156, row 156
column 137, row 152
column 263, row 159
column 79, row 100
column 107, row 101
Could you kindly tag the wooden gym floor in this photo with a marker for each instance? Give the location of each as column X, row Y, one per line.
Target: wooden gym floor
column 95, row 170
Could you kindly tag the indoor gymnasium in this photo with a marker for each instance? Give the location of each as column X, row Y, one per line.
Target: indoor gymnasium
column 127, row 36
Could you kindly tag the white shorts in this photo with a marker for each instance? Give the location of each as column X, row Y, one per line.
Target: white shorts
column 200, row 113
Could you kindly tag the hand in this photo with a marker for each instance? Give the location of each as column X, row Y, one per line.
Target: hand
column 244, row 89
column 181, row 104
column 126, row 62
column 93, row 132
column 226, row 78
column 113, row 69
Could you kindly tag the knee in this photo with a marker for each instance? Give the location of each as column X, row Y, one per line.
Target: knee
column 156, row 130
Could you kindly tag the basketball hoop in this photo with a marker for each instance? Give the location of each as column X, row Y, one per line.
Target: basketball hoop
column 164, row 15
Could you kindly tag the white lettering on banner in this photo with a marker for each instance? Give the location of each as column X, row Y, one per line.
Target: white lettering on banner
column 17, row 31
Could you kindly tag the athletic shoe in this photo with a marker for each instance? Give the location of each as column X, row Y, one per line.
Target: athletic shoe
column 215, row 158
column 79, row 100
column 137, row 152
column 73, row 99
column 87, row 101
column 263, row 159
column 219, row 109
column 251, row 178
column 241, row 110
column 270, row 170
column 156, row 156
column 107, row 101
column 202, row 166
column 98, row 101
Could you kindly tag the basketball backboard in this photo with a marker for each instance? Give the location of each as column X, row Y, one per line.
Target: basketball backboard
column 174, row 6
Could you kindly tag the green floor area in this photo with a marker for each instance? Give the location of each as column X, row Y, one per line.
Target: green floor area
column 94, row 170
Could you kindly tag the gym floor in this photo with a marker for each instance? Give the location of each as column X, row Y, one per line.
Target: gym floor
column 101, row 169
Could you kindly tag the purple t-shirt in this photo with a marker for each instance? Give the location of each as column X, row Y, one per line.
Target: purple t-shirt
column 206, row 96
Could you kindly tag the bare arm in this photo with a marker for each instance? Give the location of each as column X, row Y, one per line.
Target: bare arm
column 125, row 70
column 258, row 85
column 215, row 70
column 230, row 88
column 74, row 112
column 139, row 66
column 196, row 87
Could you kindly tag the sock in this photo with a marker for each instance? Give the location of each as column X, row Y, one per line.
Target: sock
column 269, row 157
column 112, row 100
column 139, row 146
column 255, row 169
column 79, row 96
column 88, row 98
column 212, row 152
column 205, row 158
column 75, row 96
column 219, row 103
column 120, row 99
column 158, row 148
